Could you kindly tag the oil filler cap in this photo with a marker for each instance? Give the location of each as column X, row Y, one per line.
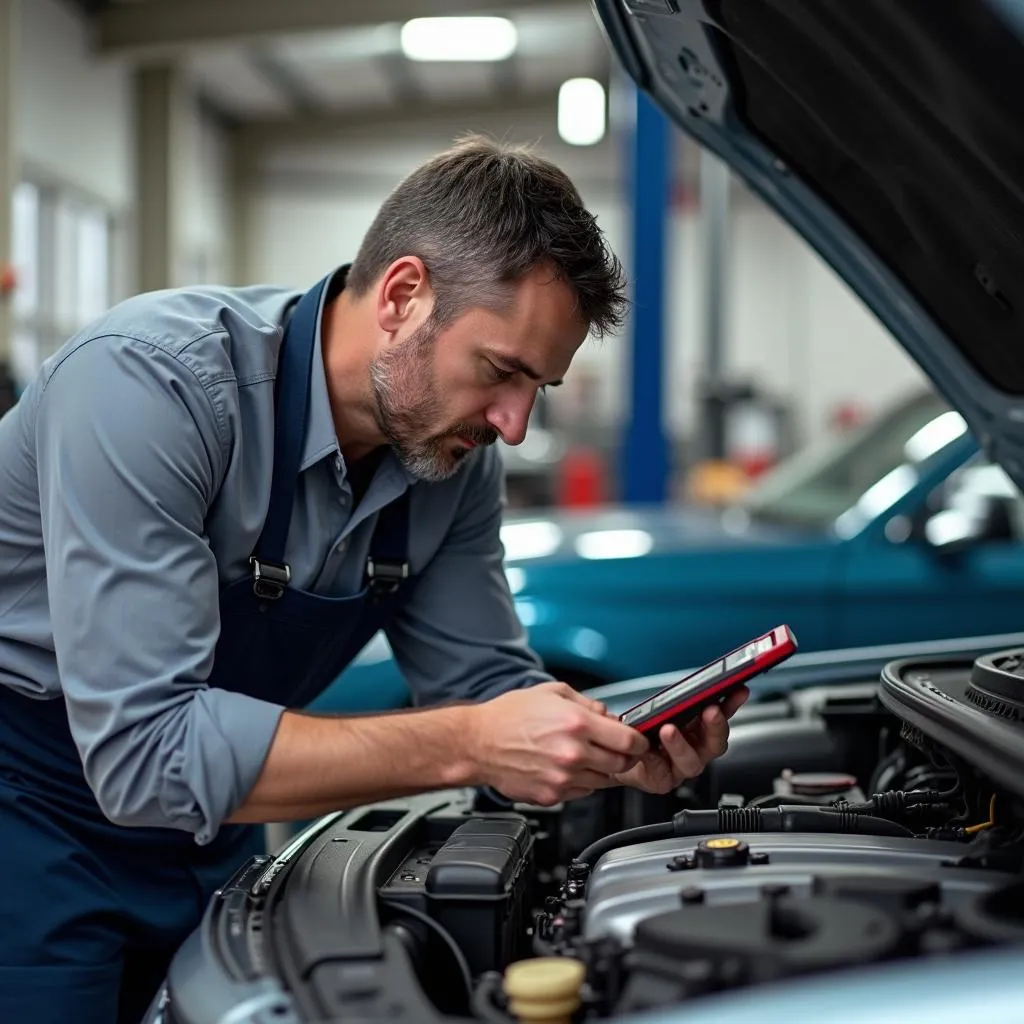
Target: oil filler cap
column 722, row 852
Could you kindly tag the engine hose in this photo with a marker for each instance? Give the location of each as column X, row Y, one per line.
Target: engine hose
column 892, row 804
column 641, row 834
column 791, row 818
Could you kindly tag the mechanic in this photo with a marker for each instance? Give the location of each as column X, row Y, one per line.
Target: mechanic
column 211, row 499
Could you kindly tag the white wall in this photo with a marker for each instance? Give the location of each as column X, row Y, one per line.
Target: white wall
column 76, row 128
column 789, row 324
column 203, row 199
column 75, row 113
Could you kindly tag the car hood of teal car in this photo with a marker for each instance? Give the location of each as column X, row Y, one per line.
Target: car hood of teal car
column 530, row 539
column 889, row 135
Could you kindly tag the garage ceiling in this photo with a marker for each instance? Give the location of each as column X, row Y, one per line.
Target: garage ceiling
column 269, row 60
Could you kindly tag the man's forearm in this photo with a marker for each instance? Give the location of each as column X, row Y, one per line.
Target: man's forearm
column 318, row 764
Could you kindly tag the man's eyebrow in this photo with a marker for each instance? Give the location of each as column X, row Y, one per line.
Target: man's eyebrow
column 514, row 363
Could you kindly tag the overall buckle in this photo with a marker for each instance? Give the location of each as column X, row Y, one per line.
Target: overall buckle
column 385, row 576
column 268, row 579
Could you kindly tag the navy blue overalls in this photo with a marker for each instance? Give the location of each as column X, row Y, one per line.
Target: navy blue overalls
column 91, row 912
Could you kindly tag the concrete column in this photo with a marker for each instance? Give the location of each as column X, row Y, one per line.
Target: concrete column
column 157, row 131
column 10, row 44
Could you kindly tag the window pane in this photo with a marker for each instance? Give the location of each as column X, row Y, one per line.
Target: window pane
column 66, row 276
column 25, row 249
column 25, row 357
column 93, row 292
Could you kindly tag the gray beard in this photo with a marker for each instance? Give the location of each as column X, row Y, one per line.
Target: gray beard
column 407, row 402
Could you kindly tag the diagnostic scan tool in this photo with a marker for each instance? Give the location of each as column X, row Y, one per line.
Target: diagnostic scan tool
column 681, row 702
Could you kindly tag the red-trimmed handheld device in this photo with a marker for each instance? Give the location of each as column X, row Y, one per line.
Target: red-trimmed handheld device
column 683, row 701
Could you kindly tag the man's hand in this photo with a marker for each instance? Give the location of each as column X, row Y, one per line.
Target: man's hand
column 549, row 743
column 685, row 753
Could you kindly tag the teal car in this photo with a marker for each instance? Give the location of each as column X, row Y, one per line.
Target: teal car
column 896, row 533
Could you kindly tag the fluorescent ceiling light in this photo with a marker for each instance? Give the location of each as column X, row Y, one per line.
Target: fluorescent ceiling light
column 459, row 39
column 581, row 111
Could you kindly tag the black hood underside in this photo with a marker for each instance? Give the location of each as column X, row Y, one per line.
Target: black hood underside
column 907, row 117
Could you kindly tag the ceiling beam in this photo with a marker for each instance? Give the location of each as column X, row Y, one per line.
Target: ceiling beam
column 282, row 77
column 419, row 118
column 161, row 25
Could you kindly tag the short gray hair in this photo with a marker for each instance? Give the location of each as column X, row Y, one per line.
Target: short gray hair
column 481, row 215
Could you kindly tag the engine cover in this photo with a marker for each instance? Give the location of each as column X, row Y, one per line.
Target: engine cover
column 632, row 884
column 672, row 920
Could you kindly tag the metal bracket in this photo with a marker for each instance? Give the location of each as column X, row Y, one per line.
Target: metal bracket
column 385, row 577
column 269, row 580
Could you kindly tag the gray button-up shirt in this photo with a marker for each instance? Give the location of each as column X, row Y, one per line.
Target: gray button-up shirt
column 134, row 480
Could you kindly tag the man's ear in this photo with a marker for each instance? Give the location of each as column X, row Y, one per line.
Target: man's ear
column 405, row 297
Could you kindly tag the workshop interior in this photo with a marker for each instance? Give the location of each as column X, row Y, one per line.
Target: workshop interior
column 796, row 467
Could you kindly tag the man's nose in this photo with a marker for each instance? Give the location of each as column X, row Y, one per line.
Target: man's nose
column 510, row 416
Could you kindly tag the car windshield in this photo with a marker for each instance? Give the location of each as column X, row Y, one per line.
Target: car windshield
column 817, row 485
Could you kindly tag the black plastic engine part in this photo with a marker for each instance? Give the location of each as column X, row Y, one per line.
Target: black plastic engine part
column 820, row 729
column 932, row 697
column 476, row 887
column 997, row 684
column 893, row 895
column 996, row 916
column 697, row 949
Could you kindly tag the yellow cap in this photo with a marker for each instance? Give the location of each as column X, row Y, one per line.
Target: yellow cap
column 722, row 844
column 545, row 990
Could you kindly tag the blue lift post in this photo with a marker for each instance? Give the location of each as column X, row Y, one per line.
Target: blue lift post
column 645, row 455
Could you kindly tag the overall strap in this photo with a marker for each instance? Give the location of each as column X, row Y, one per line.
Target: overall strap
column 388, row 564
column 271, row 574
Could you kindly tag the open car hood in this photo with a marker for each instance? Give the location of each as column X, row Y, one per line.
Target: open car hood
column 891, row 136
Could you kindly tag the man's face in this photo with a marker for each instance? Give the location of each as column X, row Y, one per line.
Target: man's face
column 441, row 393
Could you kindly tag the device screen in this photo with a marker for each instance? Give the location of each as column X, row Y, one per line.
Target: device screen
column 687, row 697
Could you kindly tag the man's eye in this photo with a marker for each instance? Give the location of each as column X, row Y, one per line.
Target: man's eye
column 499, row 374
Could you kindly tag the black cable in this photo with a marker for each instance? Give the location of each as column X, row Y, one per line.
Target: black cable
column 641, row 834
column 774, row 799
column 460, row 959
column 888, row 765
column 785, row 818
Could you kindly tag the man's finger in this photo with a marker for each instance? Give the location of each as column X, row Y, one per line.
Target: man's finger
column 735, row 701
column 611, row 734
column 713, row 738
column 603, row 760
column 686, row 762
column 588, row 702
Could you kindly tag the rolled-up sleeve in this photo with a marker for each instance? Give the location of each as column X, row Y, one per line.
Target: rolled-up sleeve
column 129, row 452
column 459, row 637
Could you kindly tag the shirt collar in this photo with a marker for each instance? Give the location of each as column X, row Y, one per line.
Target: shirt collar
column 321, row 439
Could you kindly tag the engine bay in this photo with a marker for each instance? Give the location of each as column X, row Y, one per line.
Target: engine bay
column 849, row 825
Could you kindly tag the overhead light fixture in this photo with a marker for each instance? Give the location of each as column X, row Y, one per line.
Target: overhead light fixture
column 466, row 39
column 581, row 111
